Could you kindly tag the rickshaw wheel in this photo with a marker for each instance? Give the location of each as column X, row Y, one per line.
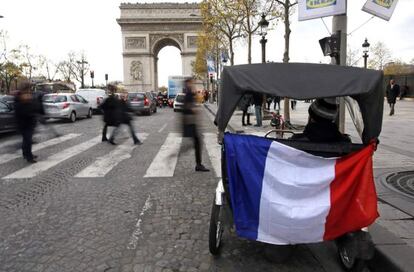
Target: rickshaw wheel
column 349, row 262
column 215, row 230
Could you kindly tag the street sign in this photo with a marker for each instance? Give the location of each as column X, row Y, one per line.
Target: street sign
column 311, row 9
column 380, row 8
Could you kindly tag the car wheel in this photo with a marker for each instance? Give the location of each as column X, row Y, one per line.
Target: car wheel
column 149, row 112
column 155, row 109
column 89, row 113
column 72, row 117
column 175, row 110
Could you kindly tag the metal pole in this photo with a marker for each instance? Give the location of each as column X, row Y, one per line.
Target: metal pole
column 339, row 23
column 263, row 42
column 365, row 60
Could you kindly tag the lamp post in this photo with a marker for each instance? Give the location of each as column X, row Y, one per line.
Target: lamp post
column 263, row 24
column 365, row 47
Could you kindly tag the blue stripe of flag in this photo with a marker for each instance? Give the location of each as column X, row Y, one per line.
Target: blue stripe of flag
column 246, row 159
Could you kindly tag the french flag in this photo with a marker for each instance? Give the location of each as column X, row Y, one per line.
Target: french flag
column 281, row 195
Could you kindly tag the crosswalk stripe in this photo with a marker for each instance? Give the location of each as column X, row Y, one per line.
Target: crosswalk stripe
column 36, row 168
column 214, row 152
column 11, row 142
column 8, row 157
column 165, row 161
column 103, row 165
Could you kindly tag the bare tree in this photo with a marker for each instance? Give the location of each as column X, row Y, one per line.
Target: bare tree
column 353, row 56
column 74, row 67
column 252, row 11
column 380, row 55
column 288, row 9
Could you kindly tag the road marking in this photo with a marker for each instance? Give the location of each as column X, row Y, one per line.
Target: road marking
column 103, row 165
column 214, row 152
column 137, row 232
column 36, row 168
column 165, row 161
column 162, row 128
column 8, row 157
column 11, row 142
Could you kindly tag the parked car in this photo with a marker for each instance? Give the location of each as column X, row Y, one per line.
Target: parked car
column 7, row 119
column 8, row 99
column 142, row 102
column 178, row 104
column 66, row 106
column 95, row 97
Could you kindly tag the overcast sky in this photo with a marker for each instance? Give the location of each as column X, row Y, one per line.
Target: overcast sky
column 55, row 27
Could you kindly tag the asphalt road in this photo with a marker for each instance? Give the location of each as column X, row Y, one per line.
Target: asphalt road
column 91, row 206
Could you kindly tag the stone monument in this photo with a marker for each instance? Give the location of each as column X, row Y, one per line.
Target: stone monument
column 146, row 29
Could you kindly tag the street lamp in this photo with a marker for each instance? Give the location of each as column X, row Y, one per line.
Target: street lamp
column 263, row 24
column 365, row 47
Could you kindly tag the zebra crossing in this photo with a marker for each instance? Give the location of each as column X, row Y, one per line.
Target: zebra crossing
column 163, row 164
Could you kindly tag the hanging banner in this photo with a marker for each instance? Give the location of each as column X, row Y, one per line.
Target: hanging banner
column 210, row 65
column 380, row 8
column 311, row 9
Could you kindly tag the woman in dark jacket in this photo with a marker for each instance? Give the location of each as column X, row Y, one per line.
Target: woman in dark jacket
column 244, row 104
column 112, row 112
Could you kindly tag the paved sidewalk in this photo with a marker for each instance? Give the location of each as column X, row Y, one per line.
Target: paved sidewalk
column 393, row 232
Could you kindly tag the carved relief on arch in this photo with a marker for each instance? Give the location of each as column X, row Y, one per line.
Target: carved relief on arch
column 135, row 70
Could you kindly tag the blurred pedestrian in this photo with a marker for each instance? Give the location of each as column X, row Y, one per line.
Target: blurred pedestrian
column 126, row 119
column 393, row 90
column 41, row 114
column 111, row 108
column 258, row 102
column 25, row 111
column 190, row 123
column 245, row 103
column 269, row 100
column 276, row 101
column 293, row 104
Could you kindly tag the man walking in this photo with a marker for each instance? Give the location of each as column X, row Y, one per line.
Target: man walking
column 189, row 123
column 112, row 113
column 25, row 111
column 393, row 90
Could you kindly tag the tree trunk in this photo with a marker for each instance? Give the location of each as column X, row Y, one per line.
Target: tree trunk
column 231, row 53
column 286, row 109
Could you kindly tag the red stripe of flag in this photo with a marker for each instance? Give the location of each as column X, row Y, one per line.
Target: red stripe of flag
column 353, row 195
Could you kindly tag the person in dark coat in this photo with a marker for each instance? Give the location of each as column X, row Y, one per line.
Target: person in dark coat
column 41, row 114
column 25, row 111
column 321, row 127
column 392, row 92
column 276, row 101
column 258, row 102
column 244, row 104
column 190, row 123
column 126, row 118
column 111, row 108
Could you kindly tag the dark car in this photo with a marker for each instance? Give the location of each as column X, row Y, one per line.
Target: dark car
column 142, row 102
column 7, row 119
column 8, row 99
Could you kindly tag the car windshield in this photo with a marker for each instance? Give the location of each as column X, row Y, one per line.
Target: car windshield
column 54, row 98
column 179, row 98
column 135, row 96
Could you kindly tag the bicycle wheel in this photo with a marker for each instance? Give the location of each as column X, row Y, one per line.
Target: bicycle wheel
column 215, row 230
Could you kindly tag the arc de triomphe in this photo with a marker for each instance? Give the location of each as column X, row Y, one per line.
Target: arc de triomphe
column 146, row 29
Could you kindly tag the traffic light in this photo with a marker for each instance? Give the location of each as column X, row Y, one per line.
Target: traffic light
column 92, row 74
column 211, row 78
column 106, row 76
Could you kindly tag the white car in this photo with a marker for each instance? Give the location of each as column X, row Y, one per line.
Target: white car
column 178, row 104
column 66, row 106
column 94, row 97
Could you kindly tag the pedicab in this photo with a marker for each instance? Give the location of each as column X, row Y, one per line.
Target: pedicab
column 288, row 191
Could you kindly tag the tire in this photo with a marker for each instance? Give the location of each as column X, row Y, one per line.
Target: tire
column 72, row 117
column 149, row 112
column 348, row 262
column 89, row 114
column 155, row 109
column 215, row 229
column 175, row 110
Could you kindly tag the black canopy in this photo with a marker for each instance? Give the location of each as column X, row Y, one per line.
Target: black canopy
column 304, row 81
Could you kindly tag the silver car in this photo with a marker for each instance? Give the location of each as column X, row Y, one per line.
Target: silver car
column 66, row 106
